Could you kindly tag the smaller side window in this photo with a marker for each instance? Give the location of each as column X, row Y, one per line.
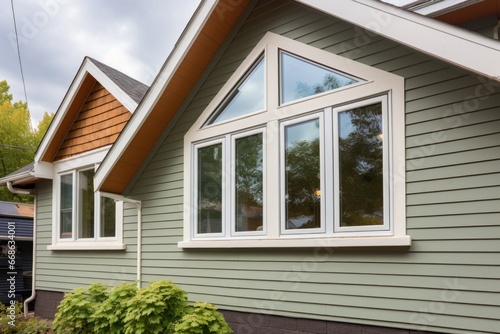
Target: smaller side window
column 66, row 206
column 209, row 188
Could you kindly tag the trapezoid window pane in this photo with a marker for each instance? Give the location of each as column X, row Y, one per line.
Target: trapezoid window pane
column 248, row 97
column 301, row 78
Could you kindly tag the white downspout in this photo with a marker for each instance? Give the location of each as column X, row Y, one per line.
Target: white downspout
column 138, row 205
column 33, row 270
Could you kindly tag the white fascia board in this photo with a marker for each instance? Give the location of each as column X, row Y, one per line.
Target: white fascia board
column 60, row 113
column 116, row 91
column 160, row 83
column 87, row 67
column 17, row 178
column 424, row 34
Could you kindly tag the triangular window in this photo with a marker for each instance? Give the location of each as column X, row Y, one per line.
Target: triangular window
column 301, row 78
column 246, row 98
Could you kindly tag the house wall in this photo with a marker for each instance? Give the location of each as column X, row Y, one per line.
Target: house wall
column 447, row 281
column 98, row 124
column 65, row 270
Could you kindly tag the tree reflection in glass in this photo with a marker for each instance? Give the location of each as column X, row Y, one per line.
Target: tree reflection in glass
column 302, row 175
column 210, row 189
column 361, row 166
column 248, row 183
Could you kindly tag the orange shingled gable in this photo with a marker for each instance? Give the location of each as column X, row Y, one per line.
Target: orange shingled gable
column 214, row 32
column 100, row 119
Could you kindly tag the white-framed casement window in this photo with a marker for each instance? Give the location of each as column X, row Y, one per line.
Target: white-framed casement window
column 82, row 218
column 300, row 148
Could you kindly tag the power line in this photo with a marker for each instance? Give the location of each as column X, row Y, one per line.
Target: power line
column 18, row 147
column 19, row 51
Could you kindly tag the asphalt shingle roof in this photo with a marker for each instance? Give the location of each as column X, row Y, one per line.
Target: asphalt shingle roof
column 133, row 88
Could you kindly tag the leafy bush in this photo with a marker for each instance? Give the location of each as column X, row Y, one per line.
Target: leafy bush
column 203, row 318
column 110, row 314
column 160, row 308
column 74, row 313
column 155, row 308
column 15, row 322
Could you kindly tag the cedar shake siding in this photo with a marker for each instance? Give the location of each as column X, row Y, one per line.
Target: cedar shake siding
column 98, row 124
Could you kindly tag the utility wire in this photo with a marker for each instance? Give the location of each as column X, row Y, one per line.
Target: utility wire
column 19, row 51
column 18, row 147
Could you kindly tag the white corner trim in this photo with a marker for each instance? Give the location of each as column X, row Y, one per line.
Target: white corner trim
column 87, row 246
column 382, row 241
column 434, row 38
column 170, row 66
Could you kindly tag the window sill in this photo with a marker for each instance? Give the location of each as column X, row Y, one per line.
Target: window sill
column 384, row 241
column 87, row 246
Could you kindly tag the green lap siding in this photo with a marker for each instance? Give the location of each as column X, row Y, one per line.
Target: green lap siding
column 447, row 281
column 67, row 270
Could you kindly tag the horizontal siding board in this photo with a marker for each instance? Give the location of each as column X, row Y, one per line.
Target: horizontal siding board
column 454, row 196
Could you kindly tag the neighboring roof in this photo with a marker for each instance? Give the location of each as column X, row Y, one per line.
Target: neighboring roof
column 16, row 209
column 212, row 23
column 135, row 89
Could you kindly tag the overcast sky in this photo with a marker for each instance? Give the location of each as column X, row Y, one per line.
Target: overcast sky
column 132, row 36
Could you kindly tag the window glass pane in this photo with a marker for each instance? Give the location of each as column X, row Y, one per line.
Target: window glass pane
column 66, row 218
column 301, row 78
column 108, row 217
column 361, row 166
column 247, row 98
column 248, row 182
column 86, row 204
column 210, row 189
column 302, row 175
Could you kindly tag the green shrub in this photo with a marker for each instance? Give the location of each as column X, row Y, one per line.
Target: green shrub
column 203, row 318
column 74, row 313
column 160, row 308
column 155, row 308
column 109, row 316
column 15, row 322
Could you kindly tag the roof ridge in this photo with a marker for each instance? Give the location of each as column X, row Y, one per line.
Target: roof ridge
column 132, row 87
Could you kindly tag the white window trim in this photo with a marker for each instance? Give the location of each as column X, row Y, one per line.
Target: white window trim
column 377, row 83
column 72, row 166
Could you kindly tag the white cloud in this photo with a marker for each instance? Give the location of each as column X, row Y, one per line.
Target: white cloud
column 55, row 35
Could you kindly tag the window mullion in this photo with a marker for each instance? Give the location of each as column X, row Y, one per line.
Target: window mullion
column 335, row 174
column 328, row 199
column 227, row 184
column 273, row 176
column 75, row 205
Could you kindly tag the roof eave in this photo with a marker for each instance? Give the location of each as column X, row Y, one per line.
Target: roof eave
column 435, row 38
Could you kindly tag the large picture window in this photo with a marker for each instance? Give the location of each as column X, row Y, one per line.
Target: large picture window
column 311, row 159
